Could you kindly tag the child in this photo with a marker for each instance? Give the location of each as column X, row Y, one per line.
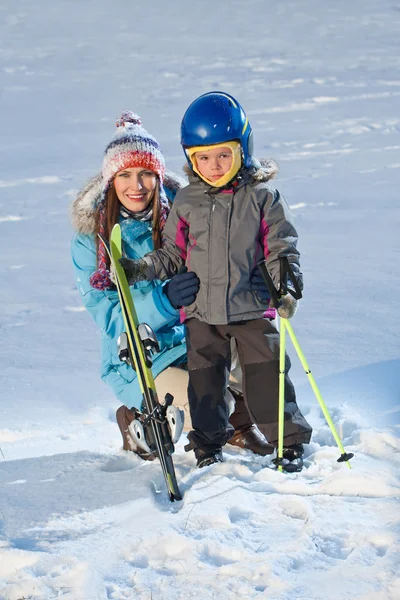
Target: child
column 221, row 226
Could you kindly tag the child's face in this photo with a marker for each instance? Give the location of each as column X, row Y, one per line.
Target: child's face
column 134, row 187
column 213, row 164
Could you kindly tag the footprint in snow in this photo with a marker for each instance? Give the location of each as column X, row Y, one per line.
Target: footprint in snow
column 295, row 509
column 237, row 514
column 332, row 546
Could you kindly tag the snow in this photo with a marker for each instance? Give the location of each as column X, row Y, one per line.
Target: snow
column 81, row 519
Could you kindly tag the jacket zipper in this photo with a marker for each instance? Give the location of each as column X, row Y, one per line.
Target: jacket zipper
column 210, row 261
column 228, row 223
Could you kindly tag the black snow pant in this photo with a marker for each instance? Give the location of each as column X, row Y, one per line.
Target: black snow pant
column 208, row 351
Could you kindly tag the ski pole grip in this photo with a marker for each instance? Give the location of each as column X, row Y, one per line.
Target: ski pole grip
column 182, row 269
column 287, row 272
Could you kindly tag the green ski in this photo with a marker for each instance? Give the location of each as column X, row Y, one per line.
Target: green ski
column 153, row 426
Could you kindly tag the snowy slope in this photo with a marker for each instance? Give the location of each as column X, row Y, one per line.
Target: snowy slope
column 78, row 518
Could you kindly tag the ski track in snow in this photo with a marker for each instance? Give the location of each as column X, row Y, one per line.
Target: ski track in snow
column 79, row 518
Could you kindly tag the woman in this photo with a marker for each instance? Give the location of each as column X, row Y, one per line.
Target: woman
column 134, row 191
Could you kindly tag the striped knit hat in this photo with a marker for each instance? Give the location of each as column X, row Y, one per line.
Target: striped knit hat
column 131, row 146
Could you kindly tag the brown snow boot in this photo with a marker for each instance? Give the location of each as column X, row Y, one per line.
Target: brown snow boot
column 125, row 416
column 247, row 435
column 252, row 439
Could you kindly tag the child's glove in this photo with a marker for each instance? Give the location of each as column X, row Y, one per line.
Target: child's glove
column 182, row 289
column 140, row 269
column 258, row 285
column 288, row 306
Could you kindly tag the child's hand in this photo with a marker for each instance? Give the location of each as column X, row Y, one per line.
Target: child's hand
column 182, row 289
column 288, row 306
column 137, row 270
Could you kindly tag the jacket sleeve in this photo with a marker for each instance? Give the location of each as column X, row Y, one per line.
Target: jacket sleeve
column 279, row 237
column 167, row 261
column 152, row 305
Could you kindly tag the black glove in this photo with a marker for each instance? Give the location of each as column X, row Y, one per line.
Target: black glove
column 182, row 289
column 258, row 285
column 138, row 270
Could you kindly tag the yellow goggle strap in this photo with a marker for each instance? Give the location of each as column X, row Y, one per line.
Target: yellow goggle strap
column 236, row 149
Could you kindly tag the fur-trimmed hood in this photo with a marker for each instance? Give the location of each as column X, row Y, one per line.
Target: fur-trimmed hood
column 262, row 169
column 83, row 208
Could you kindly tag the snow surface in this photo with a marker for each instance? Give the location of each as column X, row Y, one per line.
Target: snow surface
column 81, row 519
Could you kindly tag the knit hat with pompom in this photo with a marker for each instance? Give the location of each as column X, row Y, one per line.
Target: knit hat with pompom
column 131, row 146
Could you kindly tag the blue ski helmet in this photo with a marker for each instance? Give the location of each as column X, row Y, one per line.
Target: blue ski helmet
column 214, row 118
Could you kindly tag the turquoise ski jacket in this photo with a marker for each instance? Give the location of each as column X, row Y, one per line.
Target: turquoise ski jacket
column 152, row 305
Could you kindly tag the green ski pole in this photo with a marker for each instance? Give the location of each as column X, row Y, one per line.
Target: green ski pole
column 344, row 456
column 281, row 405
column 276, row 302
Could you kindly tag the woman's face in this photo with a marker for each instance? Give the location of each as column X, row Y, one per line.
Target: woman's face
column 134, row 187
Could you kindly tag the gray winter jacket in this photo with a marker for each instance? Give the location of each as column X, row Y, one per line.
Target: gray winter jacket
column 222, row 236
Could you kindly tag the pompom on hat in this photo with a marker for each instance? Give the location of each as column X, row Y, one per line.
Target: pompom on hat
column 131, row 146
